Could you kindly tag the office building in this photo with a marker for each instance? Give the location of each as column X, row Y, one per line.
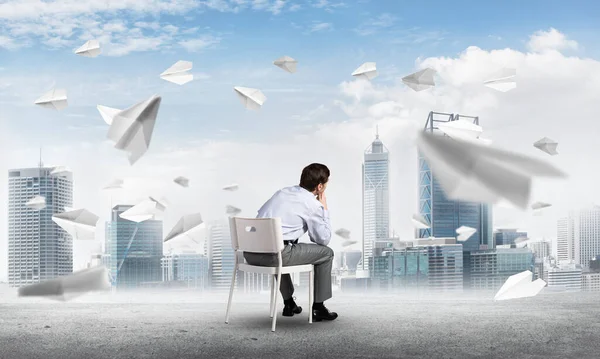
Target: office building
column 376, row 199
column 38, row 249
column 565, row 249
column 595, row 264
column 578, row 236
column 221, row 256
column 563, row 276
column 188, row 267
column 507, row 236
column 444, row 215
column 491, row 268
column 135, row 249
column 590, row 282
column 541, row 249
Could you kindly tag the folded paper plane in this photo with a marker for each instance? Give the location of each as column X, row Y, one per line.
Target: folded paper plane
column 178, row 73
column 37, row 203
column 367, row 71
column 79, row 223
column 107, row 113
column 232, row 211
column 251, row 98
column 117, row 183
column 343, row 232
column 520, row 286
column 69, row 286
column 286, row 63
column 474, row 172
column 540, row 205
column 54, row 99
column 182, row 181
column 421, row 80
column 419, row 221
column 464, row 233
column 547, row 145
column 89, row 49
column 143, row 211
column 131, row 129
column 231, row 187
column 503, row 80
column 187, row 226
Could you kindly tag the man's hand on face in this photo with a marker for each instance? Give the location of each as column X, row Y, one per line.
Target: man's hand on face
column 322, row 198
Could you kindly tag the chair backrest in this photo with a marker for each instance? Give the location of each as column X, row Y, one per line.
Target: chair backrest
column 258, row 235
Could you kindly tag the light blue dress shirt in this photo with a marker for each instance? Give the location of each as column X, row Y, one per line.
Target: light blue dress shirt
column 300, row 212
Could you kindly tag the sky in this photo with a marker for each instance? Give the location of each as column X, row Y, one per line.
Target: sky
column 318, row 114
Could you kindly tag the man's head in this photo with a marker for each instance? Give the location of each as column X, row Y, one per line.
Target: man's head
column 314, row 178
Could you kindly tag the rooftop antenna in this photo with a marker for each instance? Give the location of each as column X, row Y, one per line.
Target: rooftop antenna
column 41, row 164
column 376, row 131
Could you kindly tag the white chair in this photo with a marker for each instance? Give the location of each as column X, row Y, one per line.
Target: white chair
column 263, row 235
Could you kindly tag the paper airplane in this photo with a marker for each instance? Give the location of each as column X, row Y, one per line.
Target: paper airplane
column 231, row 210
column 520, row 242
column 348, row 243
column 547, row 145
column 421, row 80
column 178, row 73
column 473, row 172
column 464, row 233
column 162, row 203
column 286, row 63
column 368, row 71
column 89, row 49
column 520, row 286
column 115, row 184
column 58, row 170
column 182, row 181
column 37, row 203
column 251, row 98
column 70, row 286
column 186, row 226
column 343, row 232
column 143, row 211
column 80, row 223
column 107, row 113
column 540, row 205
column 463, row 130
column 231, row 187
column 503, row 80
column 54, row 99
column 131, row 129
column 419, row 221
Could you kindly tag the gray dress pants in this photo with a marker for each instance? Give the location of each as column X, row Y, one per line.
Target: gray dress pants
column 297, row 254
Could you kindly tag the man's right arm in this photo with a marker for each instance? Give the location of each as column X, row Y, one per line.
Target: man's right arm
column 319, row 227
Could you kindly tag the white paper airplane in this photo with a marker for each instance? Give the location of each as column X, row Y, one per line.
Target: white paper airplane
column 368, row 71
column 540, row 205
column 520, row 286
column 54, row 99
column 117, row 183
column 464, row 233
column 463, row 130
column 79, row 223
column 182, row 181
column 419, row 221
column 58, row 170
column 143, row 211
column 348, row 243
column 70, row 286
column 37, row 203
column 286, row 63
column 343, row 232
column 187, row 226
column 107, row 113
column 178, row 73
column 474, row 172
column 231, row 210
column 547, row 145
column 521, row 242
column 421, row 80
column 251, row 98
column 503, row 80
column 162, row 203
column 131, row 129
column 231, row 187
column 89, row 49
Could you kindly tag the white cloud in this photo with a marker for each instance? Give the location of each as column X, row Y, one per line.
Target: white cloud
column 550, row 40
column 321, row 26
column 200, row 43
column 372, row 26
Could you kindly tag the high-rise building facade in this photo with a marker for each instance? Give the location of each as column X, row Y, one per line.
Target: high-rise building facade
column 38, row 249
column 541, row 249
column 491, row 268
column 578, row 236
column 188, row 267
column 376, row 198
column 564, row 276
column 506, row 236
column 221, row 256
column 135, row 249
column 445, row 215
column 565, row 250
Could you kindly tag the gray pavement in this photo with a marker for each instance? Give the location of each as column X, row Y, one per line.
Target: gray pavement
column 555, row 325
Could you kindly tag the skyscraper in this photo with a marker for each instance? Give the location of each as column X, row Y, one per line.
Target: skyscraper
column 445, row 215
column 578, row 237
column 135, row 249
column 38, row 249
column 188, row 267
column 376, row 198
column 221, row 256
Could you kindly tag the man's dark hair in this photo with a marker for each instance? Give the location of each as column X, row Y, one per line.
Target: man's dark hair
column 312, row 175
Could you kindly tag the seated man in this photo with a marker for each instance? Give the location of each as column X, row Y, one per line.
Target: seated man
column 302, row 208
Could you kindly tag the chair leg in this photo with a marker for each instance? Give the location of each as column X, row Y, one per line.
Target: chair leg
column 275, row 301
column 272, row 309
column 311, row 294
column 231, row 293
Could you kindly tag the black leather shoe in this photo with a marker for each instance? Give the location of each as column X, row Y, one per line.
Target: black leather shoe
column 323, row 314
column 290, row 309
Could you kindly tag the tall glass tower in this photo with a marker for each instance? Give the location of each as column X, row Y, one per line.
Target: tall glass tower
column 444, row 215
column 135, row 250
column 38, row 249
column 376, row 198
column 221, row 256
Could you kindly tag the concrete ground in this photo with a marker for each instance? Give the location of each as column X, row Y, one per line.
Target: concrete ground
column 552, row 325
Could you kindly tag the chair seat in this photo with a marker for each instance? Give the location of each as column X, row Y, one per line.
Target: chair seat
column 273, row 270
